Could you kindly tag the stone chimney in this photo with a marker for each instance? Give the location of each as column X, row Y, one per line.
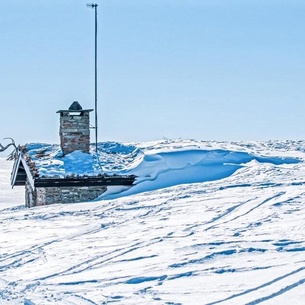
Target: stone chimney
column 74, row 129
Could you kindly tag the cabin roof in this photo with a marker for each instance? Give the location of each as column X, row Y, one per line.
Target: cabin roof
column 44, row 165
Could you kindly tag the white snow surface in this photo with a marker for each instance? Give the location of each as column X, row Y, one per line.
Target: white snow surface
column 205, row 223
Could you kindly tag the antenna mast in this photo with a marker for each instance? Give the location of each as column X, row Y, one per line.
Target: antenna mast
column 94, row 6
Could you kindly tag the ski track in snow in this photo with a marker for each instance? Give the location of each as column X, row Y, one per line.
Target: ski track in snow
column 235, row 240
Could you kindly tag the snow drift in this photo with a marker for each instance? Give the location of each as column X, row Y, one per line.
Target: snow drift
column 157, row 165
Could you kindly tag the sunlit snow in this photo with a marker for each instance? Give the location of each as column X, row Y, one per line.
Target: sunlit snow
column 206, row 223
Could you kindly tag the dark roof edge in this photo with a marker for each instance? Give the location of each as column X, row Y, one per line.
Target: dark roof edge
column 85, row 181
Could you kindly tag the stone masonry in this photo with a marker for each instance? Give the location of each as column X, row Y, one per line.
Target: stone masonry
column 74, row 132
column 50, row 195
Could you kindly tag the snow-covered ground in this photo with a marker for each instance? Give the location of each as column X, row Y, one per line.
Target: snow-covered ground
column 206, row 223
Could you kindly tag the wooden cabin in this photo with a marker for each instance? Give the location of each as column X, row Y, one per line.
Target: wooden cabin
column 40, row 190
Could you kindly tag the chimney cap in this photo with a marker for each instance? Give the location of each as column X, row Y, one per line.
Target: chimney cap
column 75, row 107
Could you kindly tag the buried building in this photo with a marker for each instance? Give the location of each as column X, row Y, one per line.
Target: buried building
column 66, row 174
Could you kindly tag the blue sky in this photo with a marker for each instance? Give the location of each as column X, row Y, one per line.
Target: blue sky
column 208, row 70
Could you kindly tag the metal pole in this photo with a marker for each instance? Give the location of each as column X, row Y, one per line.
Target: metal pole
column 95, row 73
column 95, row 77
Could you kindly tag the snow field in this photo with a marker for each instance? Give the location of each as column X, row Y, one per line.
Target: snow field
column 237, row 239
